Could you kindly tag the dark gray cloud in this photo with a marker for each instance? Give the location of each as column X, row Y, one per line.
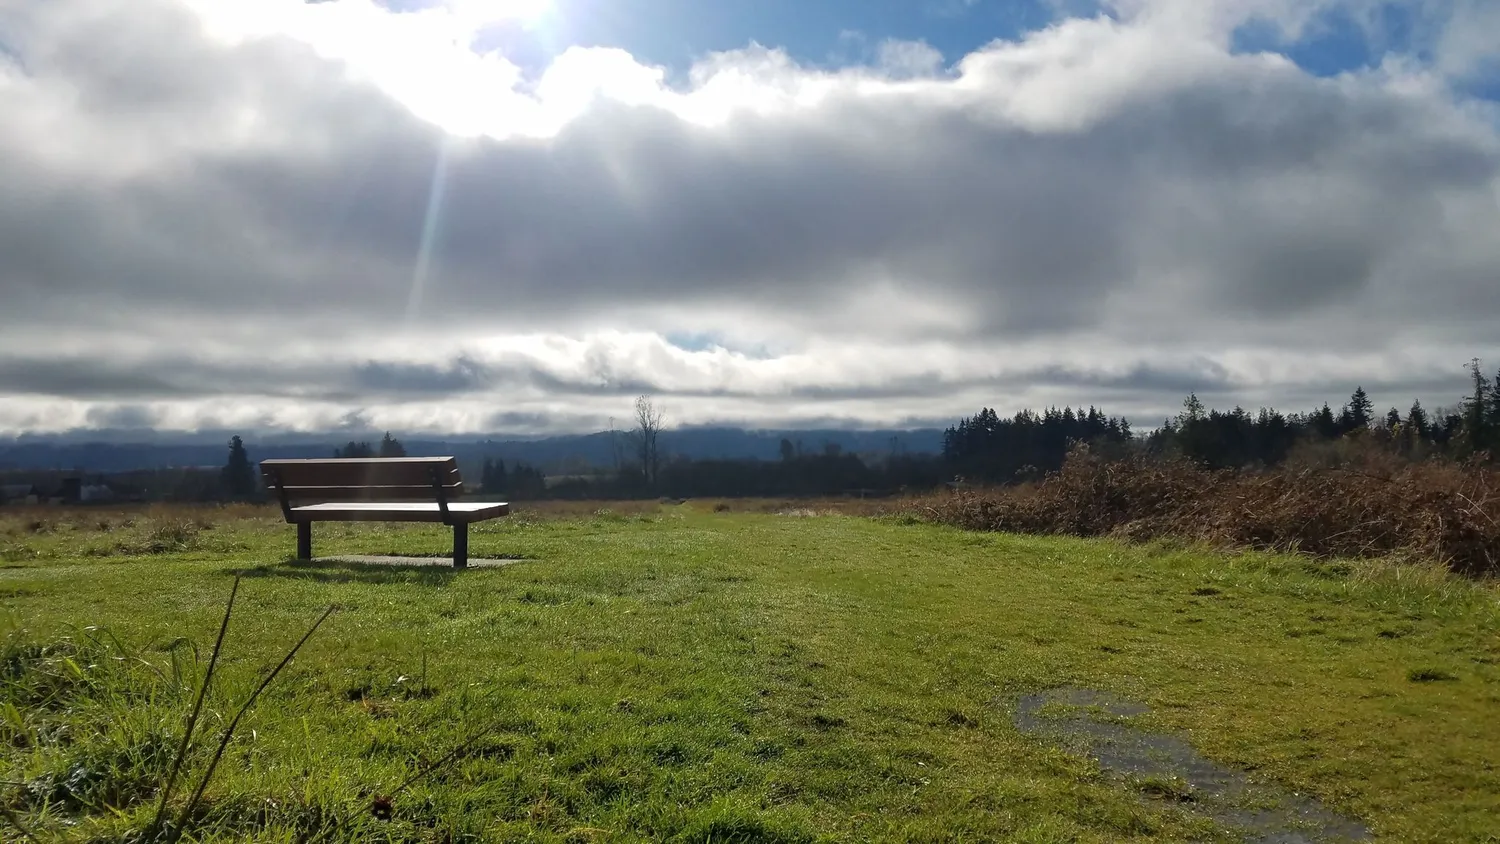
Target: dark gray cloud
column 1196, row 207
column 122, row 417
column 1129, row 388
column 460, row 376
column 1292, row 210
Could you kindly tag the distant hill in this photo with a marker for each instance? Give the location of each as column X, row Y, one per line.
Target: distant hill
column 103, row 452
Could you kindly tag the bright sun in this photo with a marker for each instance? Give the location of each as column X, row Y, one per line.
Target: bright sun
column 477, row 13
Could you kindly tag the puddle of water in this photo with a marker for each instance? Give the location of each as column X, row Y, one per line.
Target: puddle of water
column 1079, row 720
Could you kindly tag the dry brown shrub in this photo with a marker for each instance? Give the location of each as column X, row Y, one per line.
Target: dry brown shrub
column 1374, row 507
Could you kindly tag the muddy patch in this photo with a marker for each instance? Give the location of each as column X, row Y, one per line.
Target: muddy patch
column 1167, row 768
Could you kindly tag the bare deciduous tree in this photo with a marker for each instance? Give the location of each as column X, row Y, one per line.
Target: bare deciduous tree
column 648, row 424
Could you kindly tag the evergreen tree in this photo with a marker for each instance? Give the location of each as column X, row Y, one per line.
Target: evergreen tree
column 237, row 475
column 1192, row 409
column 1390, row 429
column 1493, row 409
column 1272, row 435
column 990, row 448
column 391, row 447
column 1416, row 421
column 525, row 482
column 1358, row 412
column 354, row 449
column 1475, row 419
column 1323, row 424
column 1448, row 430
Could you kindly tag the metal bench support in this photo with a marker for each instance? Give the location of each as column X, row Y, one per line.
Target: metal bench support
column 460, row 545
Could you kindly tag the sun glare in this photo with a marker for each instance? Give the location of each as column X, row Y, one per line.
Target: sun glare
column 478, row 13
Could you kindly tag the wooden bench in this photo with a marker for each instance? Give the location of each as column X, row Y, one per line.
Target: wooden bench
column 376, row 489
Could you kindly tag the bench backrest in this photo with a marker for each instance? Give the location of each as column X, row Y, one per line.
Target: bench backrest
column 363, row 479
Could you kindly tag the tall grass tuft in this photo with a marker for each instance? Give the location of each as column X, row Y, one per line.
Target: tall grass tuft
column 134, row 757
column 170, row 536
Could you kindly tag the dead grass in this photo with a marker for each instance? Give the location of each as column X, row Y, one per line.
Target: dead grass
column 47, row 531
column 547, row 510
column 106, row 518
column 1377, row 508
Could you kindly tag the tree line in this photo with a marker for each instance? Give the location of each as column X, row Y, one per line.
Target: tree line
column 1236, row 438
column 988, row 448
column 984, row 448
column 388, row 446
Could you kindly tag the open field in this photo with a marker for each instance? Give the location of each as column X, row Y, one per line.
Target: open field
column 657, row 672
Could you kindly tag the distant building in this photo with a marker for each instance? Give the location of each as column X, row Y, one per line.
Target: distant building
column 95, row 492
column 76, row 490
column 19, row 494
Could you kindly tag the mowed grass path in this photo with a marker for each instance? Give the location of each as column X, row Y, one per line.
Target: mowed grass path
column 692, row 676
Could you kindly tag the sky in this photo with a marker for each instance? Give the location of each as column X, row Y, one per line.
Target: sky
column 515, row 216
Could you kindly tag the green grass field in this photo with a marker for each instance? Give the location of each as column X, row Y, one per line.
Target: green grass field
column 684, row 675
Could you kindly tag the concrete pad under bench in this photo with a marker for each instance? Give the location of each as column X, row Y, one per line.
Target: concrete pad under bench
column 443, row 562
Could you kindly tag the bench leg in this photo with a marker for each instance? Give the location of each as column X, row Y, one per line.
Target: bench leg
column 461, row 545
column 304, row 541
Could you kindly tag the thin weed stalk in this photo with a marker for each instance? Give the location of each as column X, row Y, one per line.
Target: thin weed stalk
column 343, row 822
column 446, row 758
column 15, row 821
column 213, row 764
column 192, row 721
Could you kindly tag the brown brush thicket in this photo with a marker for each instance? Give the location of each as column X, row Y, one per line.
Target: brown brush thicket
column 1375, row 506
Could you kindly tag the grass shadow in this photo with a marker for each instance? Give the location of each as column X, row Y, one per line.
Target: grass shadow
column 430, row 555
column 344, row 571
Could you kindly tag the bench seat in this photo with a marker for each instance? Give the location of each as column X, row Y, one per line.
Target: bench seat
column 399, row 511
column 376, row 489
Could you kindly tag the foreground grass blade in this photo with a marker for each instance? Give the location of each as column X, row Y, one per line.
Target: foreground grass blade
column 345, row 819
column 192, row 804
column 192, row 721
column 15, row 822
column 450, row 756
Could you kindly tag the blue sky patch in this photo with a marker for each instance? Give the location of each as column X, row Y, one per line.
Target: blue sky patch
column 675, row 33
column 833, row 33
column 1336, row 42
column 706, row 341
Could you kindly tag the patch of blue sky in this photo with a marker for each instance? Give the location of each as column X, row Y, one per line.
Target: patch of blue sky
column 1337, row 42
column 832, row 33
column 820, row 33
column 708, row 341
column 1484, row 83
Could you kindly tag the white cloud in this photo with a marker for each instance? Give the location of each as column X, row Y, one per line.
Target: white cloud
column 219, row 209
column 908, row 58
column 1468, row 43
